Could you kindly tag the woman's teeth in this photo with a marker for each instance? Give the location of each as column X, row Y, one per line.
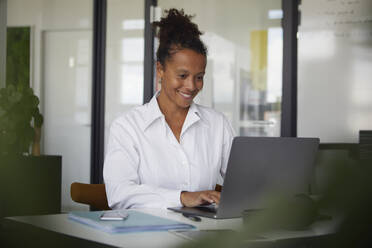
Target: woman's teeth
column 185, row 95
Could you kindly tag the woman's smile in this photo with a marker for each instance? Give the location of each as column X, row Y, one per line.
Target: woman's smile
column 187, row 96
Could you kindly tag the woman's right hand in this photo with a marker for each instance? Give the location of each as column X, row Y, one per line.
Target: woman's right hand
column 192, row 199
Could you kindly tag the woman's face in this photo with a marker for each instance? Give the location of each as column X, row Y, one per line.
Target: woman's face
column 182, row 78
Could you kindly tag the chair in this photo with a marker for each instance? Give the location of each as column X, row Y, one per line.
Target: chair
column 91, row 194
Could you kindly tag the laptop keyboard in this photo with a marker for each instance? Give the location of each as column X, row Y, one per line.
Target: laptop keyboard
column 212, row 208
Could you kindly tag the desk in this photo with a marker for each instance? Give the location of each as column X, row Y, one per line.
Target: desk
column 61, row 224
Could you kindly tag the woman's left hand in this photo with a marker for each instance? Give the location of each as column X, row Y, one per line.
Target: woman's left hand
column 192, row 199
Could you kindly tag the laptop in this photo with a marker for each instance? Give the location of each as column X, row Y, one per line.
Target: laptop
column 258, row 167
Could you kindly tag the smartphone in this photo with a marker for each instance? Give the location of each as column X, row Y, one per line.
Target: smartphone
column 114, row 215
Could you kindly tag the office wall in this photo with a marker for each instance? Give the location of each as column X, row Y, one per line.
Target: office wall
column 334, row 69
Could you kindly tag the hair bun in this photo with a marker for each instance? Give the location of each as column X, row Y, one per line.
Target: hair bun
column 177, row 26
column 177, row 31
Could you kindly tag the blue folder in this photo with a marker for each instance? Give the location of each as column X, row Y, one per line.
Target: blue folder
column 136, row 222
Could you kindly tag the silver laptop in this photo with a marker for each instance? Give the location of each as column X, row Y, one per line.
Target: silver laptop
column 258, row 167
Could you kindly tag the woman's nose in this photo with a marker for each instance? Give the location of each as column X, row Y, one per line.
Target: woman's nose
column 190, row 84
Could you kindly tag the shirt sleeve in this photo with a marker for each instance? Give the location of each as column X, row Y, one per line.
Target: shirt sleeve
column 120, row 172
column 228, row 136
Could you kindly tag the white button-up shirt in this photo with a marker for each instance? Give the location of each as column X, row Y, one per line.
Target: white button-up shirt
column 146, row 167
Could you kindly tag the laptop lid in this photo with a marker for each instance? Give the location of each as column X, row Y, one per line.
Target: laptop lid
column 259, row 167
column 262, row 166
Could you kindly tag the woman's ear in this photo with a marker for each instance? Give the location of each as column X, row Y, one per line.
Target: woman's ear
column 159, row 70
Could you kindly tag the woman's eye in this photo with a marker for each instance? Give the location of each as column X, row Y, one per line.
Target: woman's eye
column 183, row 76
column 200, row 78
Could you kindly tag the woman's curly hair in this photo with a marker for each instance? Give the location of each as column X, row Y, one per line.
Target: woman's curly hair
column 176, row 31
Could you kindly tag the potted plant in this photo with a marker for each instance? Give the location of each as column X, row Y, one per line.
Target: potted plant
column 31, row 183
column 20, row 120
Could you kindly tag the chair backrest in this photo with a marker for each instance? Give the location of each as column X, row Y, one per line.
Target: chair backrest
column 91, row 194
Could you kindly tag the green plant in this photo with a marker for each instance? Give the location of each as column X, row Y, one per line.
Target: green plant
column 19, row 114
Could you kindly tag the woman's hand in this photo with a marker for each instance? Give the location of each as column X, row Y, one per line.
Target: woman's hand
column 192, row 199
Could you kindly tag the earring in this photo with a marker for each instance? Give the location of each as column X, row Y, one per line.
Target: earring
column 160, row 80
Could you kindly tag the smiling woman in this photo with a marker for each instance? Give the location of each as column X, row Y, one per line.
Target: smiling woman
column 169, row 152
column 182, row 79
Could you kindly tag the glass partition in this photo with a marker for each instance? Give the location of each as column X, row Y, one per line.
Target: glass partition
column 334, row 70
column 58, row 61
column 124, row 58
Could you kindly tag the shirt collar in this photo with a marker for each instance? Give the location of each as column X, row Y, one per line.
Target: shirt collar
column 154, row 113
column 195, row 114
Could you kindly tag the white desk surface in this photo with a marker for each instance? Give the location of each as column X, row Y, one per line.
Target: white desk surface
column 61, row 224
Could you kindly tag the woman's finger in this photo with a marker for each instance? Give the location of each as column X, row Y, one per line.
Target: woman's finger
column 207, row 197
column 215, row 199
column 215, row 193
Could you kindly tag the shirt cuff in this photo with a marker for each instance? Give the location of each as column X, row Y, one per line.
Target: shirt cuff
column 173, row 198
